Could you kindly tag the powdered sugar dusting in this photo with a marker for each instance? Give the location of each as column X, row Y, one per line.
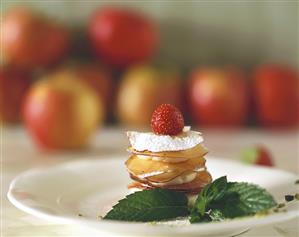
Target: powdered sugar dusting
column 158, row 143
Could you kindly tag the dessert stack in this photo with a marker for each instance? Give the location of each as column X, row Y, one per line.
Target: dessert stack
column 170, row 157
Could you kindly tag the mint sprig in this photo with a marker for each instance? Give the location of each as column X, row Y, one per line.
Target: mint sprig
column 244, row 199
column 212, row 192
column 150, row 205
column 219, row 200
column 235, row 200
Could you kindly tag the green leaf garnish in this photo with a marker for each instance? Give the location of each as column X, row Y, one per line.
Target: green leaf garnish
column 217, row 201
column 212, row 192
column 249, row 155
column 235, row 200
column 243, row 199
column 150, row 205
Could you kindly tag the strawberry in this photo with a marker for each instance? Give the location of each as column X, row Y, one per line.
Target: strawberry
column 257, row 155
column 167, row 120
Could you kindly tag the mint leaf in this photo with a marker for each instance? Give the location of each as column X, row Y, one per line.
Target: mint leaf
column 212, row 192
column 215, row 190
column 221, row 199
column 217, row 201
column 242, row 199
column 150, row 205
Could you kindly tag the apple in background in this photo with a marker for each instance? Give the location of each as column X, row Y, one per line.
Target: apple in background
column 276, row 95
column 142, row 89
column 100, row 80
column 218, row 97
column 31, row 41
column 14, row 83
column 122, row 37
column 61, row 112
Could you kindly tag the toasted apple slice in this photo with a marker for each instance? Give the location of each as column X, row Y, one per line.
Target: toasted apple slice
column 161, row 171
column 164, row 159
column 170, row 160
column 202, row 179
column 197, row 151
column 169, row 177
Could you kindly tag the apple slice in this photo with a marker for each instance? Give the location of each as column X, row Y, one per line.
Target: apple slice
column 202, row 179
column 167, row 159
column 170, row 178
column 160, row 171
column 161, row 179
column 197, row 151
column 164, row 159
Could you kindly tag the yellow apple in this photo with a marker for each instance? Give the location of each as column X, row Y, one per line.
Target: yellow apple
column 142, row 89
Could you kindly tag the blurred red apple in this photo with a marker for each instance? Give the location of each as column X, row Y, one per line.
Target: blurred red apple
column 142, row 89
column 14, row 83
column 61, row 112
column 122, row 37
column 276, row 95
column 218, row 97
column 31, row 41
column 100, row 80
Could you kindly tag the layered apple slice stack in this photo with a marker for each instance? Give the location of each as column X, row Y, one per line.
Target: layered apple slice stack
column 170, row 157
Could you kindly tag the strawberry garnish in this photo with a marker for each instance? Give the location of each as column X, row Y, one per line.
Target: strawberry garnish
column 258, row 155
column 167, row 120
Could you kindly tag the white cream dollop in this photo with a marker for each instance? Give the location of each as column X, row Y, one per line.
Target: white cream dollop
column 159, row 143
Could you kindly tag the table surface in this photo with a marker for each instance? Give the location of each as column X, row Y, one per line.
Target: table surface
column 18, row 154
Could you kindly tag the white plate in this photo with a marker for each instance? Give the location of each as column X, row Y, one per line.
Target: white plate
column 91, row 187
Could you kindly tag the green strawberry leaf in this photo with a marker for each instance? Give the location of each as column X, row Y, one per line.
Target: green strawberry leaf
column 249, row 155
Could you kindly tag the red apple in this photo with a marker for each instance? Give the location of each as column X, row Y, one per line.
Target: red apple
column 14, row 83
column 31, row 41
column 142, row 89
column 61, row 112
column 122, row 37
column 276, row 95
column 218, row 96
